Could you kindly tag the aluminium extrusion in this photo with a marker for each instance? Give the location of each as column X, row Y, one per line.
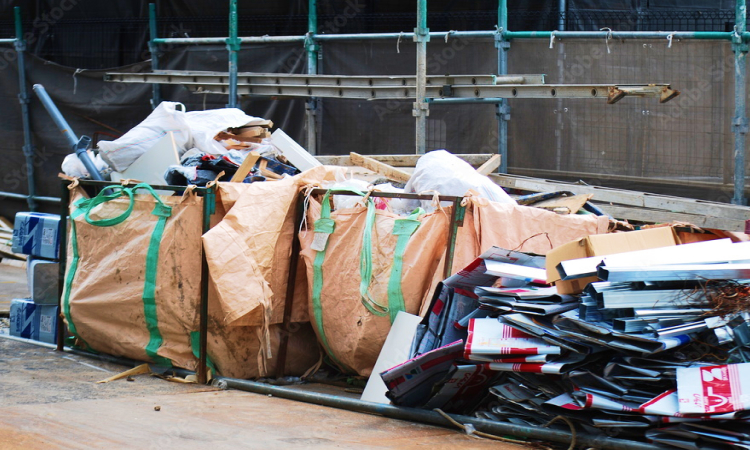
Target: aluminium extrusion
column 540, row 91
column 687, row 272
column 720, row 250
column 274, row 79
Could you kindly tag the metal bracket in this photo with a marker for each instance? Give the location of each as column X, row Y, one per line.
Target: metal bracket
column 310, row 44
column 23, row 99
column 20, row 45
column 420, row 109
column 503, row 111
column 234, row 45
column 501, row 43
column 741, row 124
column 422, row 35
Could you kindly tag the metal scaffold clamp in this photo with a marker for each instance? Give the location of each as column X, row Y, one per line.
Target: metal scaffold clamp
column 500, row 41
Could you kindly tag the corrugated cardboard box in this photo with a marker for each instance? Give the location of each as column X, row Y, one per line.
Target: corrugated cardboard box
column 602, row 245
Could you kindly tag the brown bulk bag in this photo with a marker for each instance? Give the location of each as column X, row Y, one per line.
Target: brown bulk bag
column 132, row 284
column 249, row 250
column 363, row 266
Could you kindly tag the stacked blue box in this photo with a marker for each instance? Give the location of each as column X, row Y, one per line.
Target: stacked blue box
column 37, row 234
column 31, row 321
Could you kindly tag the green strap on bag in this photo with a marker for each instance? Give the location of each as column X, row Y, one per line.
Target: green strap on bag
column 404, row 229
column 163, row 212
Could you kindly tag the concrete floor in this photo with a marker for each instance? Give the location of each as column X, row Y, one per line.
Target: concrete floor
column 12, row 285
column 50, row 400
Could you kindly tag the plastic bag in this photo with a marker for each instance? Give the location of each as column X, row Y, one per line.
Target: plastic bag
column 168, row 116
column 73, row 167
column 448, row 174
column 205, row 125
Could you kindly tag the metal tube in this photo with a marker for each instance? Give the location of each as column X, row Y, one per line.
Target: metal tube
column 442, row 101
column 686, row 35
column 740, row 124
column 7, row 41
column 233, row 45
column 431, row 417
column 14, row 195
column 311, row 47
column 621, row 34
column 503, row 108
column 62, row 124
column 562, row 8
column 153, row 48
column 57, row 117
column 23, row 98
column 421, row 108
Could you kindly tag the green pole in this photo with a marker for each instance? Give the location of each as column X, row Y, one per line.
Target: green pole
column 153, row 48
column 312, row 69
column 233, row 46
column 740, row 125
column 421, row 108
column 502, row 108
column 23, row 98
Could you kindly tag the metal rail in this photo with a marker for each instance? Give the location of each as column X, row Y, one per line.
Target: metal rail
column 393, row 87
column 244, row 78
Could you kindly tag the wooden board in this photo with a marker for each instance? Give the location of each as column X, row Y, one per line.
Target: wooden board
column 628, row 198
column 571, row 204
column 659, row 216
column 387, row 171
column 400, row 160
column 246, row 167
column 5, row 224
column 490, row 166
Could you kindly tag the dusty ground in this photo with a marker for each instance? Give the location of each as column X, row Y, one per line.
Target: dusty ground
column 49, row 400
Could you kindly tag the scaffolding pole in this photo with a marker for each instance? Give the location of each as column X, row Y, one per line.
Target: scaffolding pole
column 502, row 108
column 421, row 107
column 23, row 98
column 153, row 48
column 740, row 125
column 233, row 46
column 311, row 47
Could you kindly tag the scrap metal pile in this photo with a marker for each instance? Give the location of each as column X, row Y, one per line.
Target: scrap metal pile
column 655, row 350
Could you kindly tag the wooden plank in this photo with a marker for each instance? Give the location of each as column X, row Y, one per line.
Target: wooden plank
column 555, row 174
column 571, row 204
column 6, row 252
column 658, row 216
column 5, row 224
column 629, row 198
column 387, row 171
column 246, row 167
column 490, row 166
column 400, row 160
